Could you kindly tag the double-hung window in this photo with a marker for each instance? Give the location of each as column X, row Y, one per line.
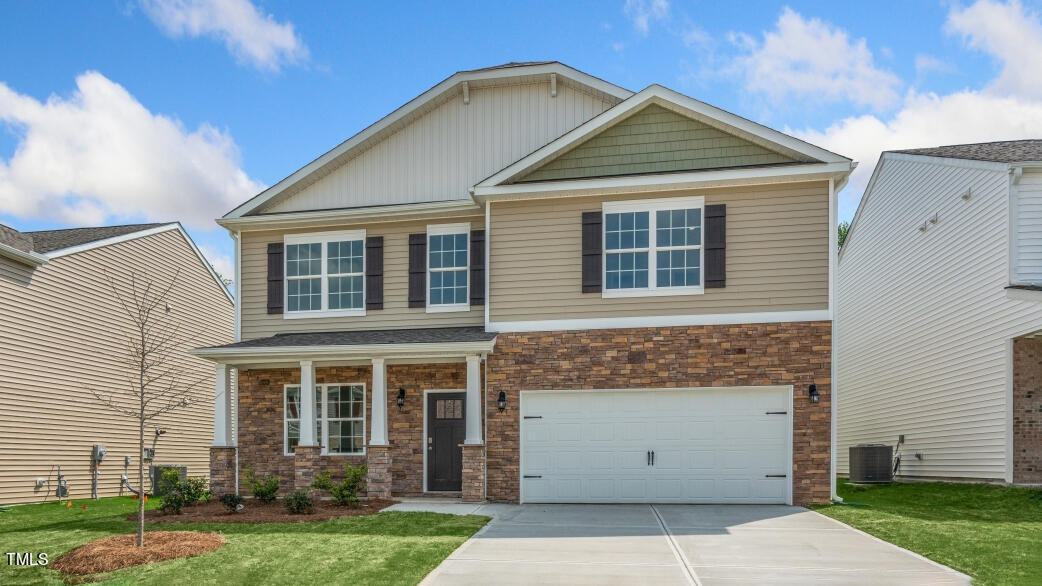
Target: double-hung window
column 448, row 258
column 653, row 247
column 339, row 418
column 325, row 274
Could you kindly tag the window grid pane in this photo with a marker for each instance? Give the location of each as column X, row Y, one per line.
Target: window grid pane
column 345, row 414
column 448, row 269
column 626, row 231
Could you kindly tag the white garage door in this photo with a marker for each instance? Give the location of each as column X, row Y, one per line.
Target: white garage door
column 724, row 445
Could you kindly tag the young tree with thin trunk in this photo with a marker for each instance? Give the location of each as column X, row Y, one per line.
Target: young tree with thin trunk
column 157, row 381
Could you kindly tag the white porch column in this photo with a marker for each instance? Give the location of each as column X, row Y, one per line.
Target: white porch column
column 307, row 404
column 222, row 406
column 473, row 400
column 378, row 410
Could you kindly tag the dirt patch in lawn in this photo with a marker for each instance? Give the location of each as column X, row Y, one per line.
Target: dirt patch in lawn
column 254, row 511
column 119, row 551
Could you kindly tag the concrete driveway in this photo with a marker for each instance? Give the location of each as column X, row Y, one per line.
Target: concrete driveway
column 678, row 544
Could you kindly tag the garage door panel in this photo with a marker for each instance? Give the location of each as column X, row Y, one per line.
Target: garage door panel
column 711, row 445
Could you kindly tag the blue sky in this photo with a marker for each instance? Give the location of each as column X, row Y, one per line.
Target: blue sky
column 116, row 111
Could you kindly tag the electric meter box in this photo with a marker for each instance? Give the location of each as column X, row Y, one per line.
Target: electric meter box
column 98, row 453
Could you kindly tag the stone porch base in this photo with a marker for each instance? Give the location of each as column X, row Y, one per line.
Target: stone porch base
column 378, row 478
column 222, row 470
column 473, row 473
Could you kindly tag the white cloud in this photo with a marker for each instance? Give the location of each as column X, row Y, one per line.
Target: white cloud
column 928, row 63
column 929, row 120
column 251, row 36
column 813, row 60
column 1007, row 108
column 1009, row 33
column 643, row 12
column 99, row 155
column 220, row 261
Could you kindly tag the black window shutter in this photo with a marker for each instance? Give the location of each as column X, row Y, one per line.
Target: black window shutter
column 591, row 249
column 276, row 266
column 477, row 267
column 716, row 245
column 374, row 272
column 417, row 270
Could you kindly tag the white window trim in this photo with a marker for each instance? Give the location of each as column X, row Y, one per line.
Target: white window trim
column 322, row 238
column 442, row 230
column 322, row 418
column 651, row 206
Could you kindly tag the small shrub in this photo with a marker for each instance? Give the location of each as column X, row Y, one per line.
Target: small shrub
column 263, row 489
column 175, row 494
column 300, row 503
column 195, row 488
column 231, row 501
column 344, row 493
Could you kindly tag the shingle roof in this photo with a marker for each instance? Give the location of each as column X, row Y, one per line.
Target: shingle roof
column 1009, row 151
column 15, row 239
column 50, row 240
column 365, row 337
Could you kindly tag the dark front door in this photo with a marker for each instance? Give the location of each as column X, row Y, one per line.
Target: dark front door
column 446, row 430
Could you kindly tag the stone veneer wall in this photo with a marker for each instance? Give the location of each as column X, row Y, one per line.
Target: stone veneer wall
column 700, row 356
column 260, row 435
column 1027, row 411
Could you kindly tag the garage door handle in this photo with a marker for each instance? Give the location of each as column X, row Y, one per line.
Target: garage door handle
column 533, row 416
column 649, row 457
column 777, row 413
column 652, row 457
column 532, row 476
column 775, row 475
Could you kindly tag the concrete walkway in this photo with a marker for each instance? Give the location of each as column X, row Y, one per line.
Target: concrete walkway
column 673, row 544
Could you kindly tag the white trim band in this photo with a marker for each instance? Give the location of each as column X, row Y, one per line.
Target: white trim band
column 661, row 321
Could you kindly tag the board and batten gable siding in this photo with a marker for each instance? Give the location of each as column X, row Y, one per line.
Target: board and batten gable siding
column 62, row 333
column 439, row 156
column 1027, row 229
column 655, row 140
column 777, row 256
column 257, row 323
column 923, row 323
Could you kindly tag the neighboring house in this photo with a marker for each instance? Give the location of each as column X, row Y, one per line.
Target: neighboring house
column 601, row 295
column 939, row 308
column 63, row 333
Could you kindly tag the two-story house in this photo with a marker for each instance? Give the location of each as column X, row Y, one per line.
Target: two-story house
column 529, row 284
column 940, row 313
column 64, row 343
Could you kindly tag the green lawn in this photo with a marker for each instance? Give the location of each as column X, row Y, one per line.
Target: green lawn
column 992, row 533
column 386, row 548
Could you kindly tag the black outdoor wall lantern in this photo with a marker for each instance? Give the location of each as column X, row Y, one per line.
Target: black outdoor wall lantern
column 812, row 391
column 401, row 398
column 501, row 402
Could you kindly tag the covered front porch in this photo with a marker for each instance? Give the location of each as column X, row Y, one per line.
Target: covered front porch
column 408, row 403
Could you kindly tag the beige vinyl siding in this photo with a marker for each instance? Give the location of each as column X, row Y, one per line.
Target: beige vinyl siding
column 655, row 140
column 777, row 257
column 923, row 322
column 256, row 322
column 62, row 333
column 439, row 156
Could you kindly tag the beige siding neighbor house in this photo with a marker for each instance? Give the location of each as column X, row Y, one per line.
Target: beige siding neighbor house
column 531, row 285
column 940, row 313
column 62, row 334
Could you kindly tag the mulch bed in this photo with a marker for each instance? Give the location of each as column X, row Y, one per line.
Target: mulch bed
column 254, row 511
column 119, row 551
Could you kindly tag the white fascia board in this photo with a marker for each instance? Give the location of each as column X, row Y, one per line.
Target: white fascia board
column 141, row 234
column 656, row 94
column 32, row 259
column 389, row 351
column 415, row 104
column 369, row 215
column 793, row 173
column 662, row 321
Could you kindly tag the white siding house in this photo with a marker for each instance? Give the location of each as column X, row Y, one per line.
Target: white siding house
column 926, row 317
